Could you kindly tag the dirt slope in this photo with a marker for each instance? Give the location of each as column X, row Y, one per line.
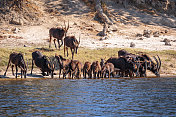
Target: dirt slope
column 127, row 23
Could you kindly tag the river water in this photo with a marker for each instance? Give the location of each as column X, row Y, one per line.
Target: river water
column 88, row 97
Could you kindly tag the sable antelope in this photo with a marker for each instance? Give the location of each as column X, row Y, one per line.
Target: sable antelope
column 144, row 62
column 107, row 68
column 87, row 70
column 64, row 65
column 58, row 33
column 17, row 59
column 142, row 69
column 138, row 61
column 79, row 69
column 96, row 69
column 102, row 63
column 75, row 68
column 43, row 62
column 122, row 53
column 129, row 56
column 153, row 67
column 123, row 64
column 72, row 43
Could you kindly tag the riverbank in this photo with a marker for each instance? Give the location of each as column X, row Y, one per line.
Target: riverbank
column 168, row 57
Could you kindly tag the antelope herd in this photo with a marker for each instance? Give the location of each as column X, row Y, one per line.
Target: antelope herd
column 125, row 65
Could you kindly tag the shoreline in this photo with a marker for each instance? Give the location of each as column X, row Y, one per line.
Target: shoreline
column 45, row 78
column 168, row 57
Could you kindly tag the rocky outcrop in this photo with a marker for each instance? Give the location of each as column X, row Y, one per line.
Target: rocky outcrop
column 163, row 6
column 19, row 12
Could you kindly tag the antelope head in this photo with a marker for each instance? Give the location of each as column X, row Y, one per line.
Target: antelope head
column 77, row 45
column 23, row 65
column 50, row 65
column 59, row 59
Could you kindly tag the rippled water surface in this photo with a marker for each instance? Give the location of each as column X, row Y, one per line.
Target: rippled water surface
column 88, row 97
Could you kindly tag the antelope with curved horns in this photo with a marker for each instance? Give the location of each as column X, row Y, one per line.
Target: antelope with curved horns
column 17, row 59
column 153, row 67
column 72, row 43
column 43, row 62
column 58, row 33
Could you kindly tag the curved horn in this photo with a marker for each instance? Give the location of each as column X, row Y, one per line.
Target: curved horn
column 68, row 26
column 159, row 63
column 64, row 25
column 156, row 61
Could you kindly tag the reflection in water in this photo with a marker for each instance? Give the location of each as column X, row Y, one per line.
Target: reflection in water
column 88, row 97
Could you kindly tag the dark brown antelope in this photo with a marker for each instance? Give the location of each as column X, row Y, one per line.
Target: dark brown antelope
column 108, row 68
column 96, row 69
column 79, row 69
column 122, row 64
column 72, row 43
column 87, row 70
column 64, row 65
column 152, row 66
column 102, row 62
column 75, row 68
column 144, row 62
column 58, row 33
column 122, row 53
column 17, row 59
column 42, row 62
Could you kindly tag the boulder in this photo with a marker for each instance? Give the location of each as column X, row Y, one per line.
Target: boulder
column 113, row 28
column 167, row 42
column 156, row 34
column 141, row 38
column 15, row 22
column 138, row 35
column 132, row 44
column 147, row 33
column 103, row 38
column 15, row 30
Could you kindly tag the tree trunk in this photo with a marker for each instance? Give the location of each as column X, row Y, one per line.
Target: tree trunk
column 100, row 12
column 104, row 30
